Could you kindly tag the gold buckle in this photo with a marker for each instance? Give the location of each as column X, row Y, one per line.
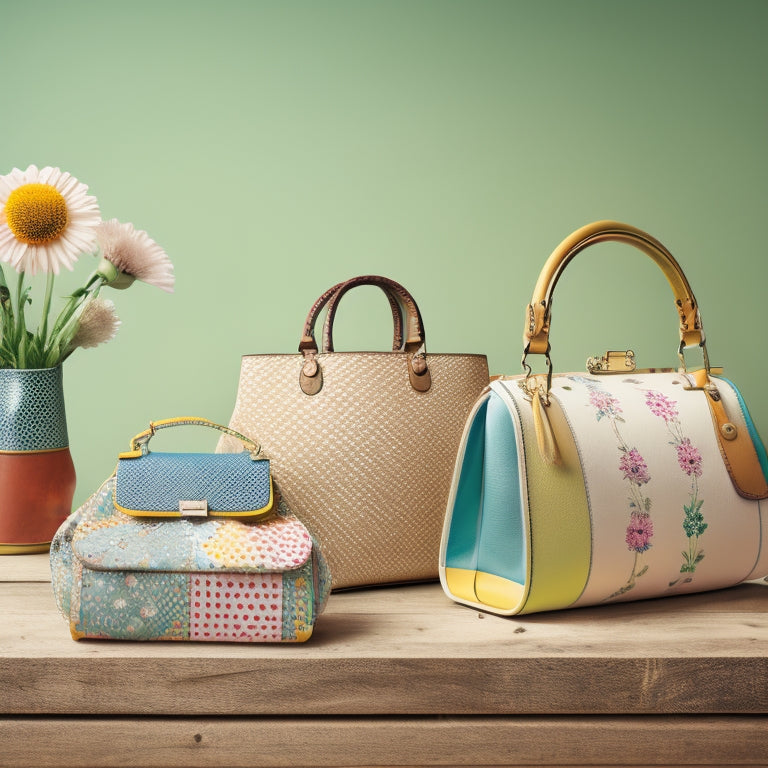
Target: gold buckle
column 612, row 362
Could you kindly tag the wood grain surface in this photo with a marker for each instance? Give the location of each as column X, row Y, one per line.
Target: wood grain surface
column 244, row 742
column 395, row 676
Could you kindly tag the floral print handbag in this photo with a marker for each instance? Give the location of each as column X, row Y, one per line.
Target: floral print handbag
column 188, row 546
column 612, row 484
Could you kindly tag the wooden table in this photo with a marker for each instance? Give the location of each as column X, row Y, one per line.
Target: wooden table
column 394, row 677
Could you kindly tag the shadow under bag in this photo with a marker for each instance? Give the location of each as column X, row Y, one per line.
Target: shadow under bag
column 188, row 546
column 613, row 484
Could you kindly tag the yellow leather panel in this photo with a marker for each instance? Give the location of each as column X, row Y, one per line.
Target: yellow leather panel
column 560, row 544
column 461, row 583
column 496, row 592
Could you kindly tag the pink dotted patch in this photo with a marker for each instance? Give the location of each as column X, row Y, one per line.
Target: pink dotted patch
column 236, row 607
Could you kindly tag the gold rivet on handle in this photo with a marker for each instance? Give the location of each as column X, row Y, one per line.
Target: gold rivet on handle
column 310, row 368
column 728, row 431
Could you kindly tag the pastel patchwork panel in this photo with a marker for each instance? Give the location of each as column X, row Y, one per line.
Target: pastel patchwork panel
column 237, row 609
column 124, row 578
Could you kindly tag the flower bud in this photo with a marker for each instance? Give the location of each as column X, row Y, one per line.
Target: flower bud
column 113, row 277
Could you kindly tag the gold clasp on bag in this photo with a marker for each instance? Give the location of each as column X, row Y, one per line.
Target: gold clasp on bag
column 188, row 508
column 612, row 362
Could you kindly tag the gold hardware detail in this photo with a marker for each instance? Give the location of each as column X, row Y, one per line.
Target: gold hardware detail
column 189, row 508
column 612, row 362
column 729, row 431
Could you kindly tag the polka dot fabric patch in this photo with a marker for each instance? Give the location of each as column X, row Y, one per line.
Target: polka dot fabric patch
column 242, row 608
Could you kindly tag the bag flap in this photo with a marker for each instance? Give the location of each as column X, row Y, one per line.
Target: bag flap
column 107, row 539
column 193, row 485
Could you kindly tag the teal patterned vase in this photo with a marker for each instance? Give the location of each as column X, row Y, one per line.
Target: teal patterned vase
column 37, row 476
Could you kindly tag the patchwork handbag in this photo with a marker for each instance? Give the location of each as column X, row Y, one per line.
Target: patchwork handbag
column 188, row 546
column 605, row 485
column 363, row 443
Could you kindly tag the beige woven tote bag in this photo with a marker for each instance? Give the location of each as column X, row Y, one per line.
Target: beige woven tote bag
column 363, row 443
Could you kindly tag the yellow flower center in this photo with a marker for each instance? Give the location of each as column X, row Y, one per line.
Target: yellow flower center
column 36, row 213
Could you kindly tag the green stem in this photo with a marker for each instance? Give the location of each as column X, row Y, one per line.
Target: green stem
column 21, row 326
column 67, row 321
column 43, row 330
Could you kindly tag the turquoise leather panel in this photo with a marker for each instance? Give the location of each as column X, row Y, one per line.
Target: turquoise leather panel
column 502, row 539
column 486, row 531
column 461, row 549
column 756, row 441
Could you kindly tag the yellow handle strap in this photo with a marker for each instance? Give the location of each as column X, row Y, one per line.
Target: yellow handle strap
column 140, row 442
column 536, row 334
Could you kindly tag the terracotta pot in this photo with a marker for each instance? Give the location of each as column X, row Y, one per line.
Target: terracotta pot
column 37, row 476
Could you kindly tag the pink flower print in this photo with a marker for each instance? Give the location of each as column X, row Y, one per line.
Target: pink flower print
column 688, row 458
column 639, row 533
column 634, row 467
column 606, row 404
column 661, row 405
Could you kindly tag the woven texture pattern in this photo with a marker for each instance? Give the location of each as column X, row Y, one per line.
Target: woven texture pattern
column 158, row 481
column 367, row 461
column 32, row 414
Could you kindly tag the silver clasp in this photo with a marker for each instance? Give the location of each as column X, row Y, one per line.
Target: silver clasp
column 193, row 508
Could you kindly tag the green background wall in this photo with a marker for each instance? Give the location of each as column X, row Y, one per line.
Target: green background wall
column 274, row 148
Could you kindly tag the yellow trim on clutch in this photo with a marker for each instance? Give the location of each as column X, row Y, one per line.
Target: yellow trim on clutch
column 76, row 635
column 211, row 513
column 44, row 450
column 302, row 635
column 137, row 454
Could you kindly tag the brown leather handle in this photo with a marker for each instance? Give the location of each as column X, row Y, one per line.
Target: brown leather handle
column 330, row 316
column 536, row 334
column 402, row 304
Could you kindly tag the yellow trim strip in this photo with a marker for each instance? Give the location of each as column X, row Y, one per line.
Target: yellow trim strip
column 25, row 549
column 43, row 450
column 211, row 513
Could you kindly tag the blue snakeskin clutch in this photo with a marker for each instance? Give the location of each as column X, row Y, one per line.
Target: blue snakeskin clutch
column 193, row 485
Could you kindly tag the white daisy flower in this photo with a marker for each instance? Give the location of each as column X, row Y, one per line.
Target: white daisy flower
column 46, row 220
column 131, row 253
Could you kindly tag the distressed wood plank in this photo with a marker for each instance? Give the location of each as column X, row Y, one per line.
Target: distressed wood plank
column 240, row 742
column 420, row 622
column 423, row 655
